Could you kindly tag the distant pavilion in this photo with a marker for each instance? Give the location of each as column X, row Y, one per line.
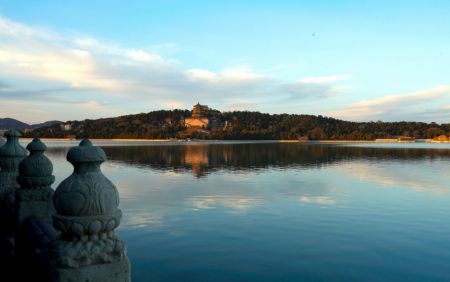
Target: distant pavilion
column 199, row 119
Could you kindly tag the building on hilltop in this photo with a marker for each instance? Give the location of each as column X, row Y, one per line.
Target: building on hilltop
column 66, row 126
column 199, row 118
column 202, row 122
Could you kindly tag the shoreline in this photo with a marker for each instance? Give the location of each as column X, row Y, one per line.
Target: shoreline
column 204, row 140
column 244, row 141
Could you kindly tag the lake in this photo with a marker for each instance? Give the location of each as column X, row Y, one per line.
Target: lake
column 240, row 211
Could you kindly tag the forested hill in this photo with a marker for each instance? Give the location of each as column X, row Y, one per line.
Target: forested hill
column 239, row 125
column 10, row 123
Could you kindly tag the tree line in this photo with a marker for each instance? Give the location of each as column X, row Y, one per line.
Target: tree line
column 165, row 124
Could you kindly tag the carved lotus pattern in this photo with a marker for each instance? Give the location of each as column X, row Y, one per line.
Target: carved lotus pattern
column 86, row 195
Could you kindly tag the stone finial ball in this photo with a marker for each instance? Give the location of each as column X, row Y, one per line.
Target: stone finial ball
column 12, row 133
column 12, row 147
column 87, row 192
column 36, row 164
column 86, row 153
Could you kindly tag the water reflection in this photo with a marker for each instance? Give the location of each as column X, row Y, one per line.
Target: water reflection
column 239, row 204
column 281, row 212
column 197, row 157
column 205, row 159
column 428, row 177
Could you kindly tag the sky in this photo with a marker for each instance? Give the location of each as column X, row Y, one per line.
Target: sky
column 352, row 60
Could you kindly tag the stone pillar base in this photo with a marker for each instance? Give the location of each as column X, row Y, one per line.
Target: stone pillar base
column 108, row 272
column 40, row 209
column 37, row 202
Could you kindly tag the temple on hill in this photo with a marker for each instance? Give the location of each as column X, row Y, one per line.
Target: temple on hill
column 199, row 118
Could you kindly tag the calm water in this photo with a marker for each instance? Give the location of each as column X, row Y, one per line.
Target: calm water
column 281, row 212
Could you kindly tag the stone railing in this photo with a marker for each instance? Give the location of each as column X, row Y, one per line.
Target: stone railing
column 62, row 235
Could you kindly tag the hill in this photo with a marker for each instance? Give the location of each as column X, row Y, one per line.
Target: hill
column 10, row 123
column 45, row 124
column 239, row 125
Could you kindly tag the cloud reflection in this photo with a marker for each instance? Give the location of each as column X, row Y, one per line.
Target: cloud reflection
column 427, row 178
column 237, row 203
column 321, row 200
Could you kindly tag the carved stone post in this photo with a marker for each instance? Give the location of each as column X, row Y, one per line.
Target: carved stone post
column 87, row 214
column 10, row 156
column 35, row 197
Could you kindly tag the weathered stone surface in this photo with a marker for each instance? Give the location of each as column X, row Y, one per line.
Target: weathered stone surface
column 36, row 169
column 38, row 233
column 7, row 215
column 35, row 236
column 108, row 272
column 11, row 154
column 87, row 192
column 35, row 196
column 87, row 214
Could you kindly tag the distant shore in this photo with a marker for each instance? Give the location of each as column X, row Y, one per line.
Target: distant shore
column 262, row 141
column 203, row 140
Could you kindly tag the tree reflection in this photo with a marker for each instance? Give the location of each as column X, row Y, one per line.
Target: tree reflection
column 203, row 159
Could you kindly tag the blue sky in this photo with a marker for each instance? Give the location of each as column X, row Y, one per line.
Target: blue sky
column 355, row 60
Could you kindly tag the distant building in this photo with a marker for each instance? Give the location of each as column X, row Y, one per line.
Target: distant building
column 405, row 139
column 66, row 126
column 386, row 140
column 199, row 118
column 396, row 139
column 168, row 121
column 441, row 138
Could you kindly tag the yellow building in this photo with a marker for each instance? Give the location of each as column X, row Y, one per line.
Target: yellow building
column 199, row 119
column 441, row 138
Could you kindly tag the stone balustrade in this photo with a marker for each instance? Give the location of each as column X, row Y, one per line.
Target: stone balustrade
column 62, row 235
column 35, row 196
column 11, row 154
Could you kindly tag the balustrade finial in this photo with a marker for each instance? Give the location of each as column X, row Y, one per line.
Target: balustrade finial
column 10, row 156
column 87, row 213
column 34, row 198
column 35, row 170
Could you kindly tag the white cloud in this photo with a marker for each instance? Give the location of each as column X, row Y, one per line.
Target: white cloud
column 241, row 73
column 141, row 56
column 326, row 79
column 17, row 30
column 235, row 74
column 38, row 60
column 201, row 74
column 396, row 107
column 91, row 105
column 134, row 79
